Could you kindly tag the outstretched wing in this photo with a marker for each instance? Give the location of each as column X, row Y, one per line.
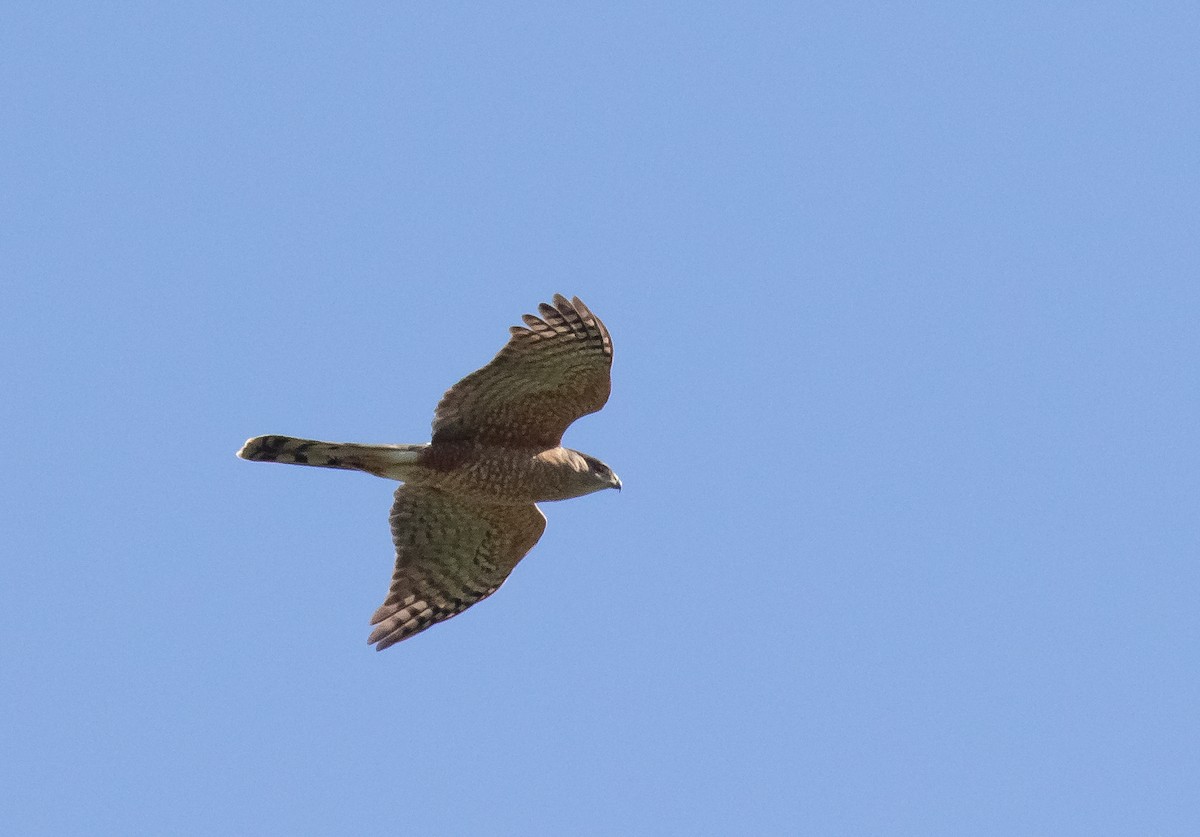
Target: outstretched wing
column 553, row 370
column 450, row 554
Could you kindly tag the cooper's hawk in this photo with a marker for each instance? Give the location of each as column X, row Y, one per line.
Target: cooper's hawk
column 465, row 515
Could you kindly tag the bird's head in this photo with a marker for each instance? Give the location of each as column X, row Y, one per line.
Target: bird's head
column 597, row 475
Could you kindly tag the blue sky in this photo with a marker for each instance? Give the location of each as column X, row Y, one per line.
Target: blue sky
column 904, row 300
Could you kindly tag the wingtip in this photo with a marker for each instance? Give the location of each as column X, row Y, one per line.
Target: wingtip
column 382, row 642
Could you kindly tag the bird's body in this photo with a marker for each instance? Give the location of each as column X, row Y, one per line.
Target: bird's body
column 487, row 473
column 465, row 515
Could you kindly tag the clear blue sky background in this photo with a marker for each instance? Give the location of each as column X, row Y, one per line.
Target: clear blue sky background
column 905, row 303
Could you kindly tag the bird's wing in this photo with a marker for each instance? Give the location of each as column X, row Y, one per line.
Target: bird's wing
column 450, row 554
column 553, row 370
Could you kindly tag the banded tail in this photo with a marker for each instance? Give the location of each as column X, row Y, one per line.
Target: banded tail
column 381, row 460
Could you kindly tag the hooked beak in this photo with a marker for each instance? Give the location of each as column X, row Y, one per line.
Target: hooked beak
column 616, row 482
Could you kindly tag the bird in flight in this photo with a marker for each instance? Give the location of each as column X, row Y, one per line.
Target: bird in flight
column 466, row 512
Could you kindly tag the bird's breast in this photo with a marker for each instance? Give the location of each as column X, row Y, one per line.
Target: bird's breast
column 499, row 474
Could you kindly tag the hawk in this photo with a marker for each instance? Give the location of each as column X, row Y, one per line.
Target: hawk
column 466, row 512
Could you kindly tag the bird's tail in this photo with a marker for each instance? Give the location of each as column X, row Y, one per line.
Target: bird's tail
column 382, row 460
